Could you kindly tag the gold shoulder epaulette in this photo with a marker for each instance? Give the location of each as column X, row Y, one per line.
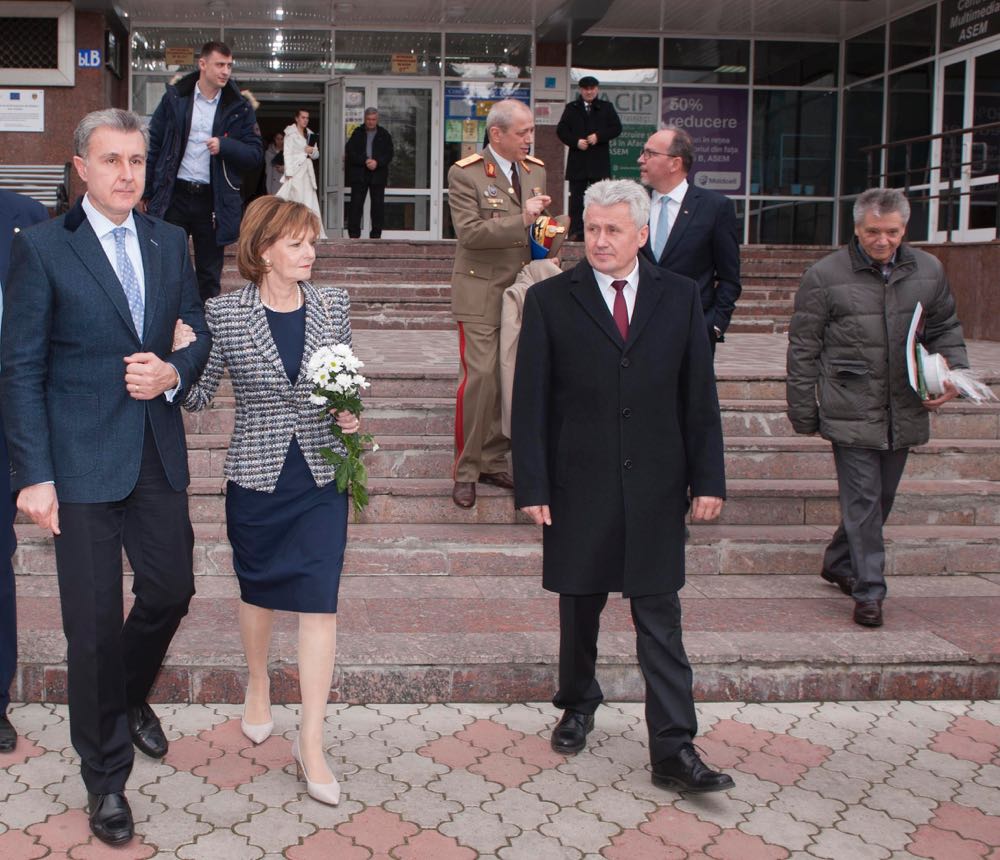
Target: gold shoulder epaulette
column 534, row 160
column 469, row 159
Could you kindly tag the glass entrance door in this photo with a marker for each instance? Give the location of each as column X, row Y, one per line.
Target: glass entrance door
column 968, row 180
column 411, row 112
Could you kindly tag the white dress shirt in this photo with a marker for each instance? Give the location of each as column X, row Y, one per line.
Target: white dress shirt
column 197, row 161
column 105, row 230
column 629, row 290
column 674, row 197
column 506, row 166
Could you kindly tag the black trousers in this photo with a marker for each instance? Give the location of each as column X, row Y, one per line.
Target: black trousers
column 112, row 665
column 670, row 714
column 192, row 209
column 8, row 605
column 357, row 208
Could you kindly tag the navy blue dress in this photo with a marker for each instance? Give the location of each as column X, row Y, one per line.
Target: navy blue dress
column 288, row 546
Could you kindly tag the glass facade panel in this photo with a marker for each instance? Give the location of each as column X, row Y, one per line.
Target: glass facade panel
column 796, row 64
column 912, row 37
column 790, row 222
column 466, row 105
column 303, row 52
column 864, row 56
column 862, row 127
column 794, row 145
column 952, row 117
column 706, row 61
column 985, row 154
column 367, row 52
column 616, row 59
column 405, row 113
column 149, row 46
column 910, row 110
column 499, row 55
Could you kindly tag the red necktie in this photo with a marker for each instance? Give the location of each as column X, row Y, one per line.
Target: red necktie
column 620, row 311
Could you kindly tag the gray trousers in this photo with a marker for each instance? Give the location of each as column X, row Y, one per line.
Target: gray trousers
column 866, row 481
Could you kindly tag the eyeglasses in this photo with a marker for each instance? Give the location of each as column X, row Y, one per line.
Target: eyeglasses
column 649, row 153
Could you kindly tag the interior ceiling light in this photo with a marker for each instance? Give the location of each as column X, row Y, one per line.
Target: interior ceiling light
column 279, row 13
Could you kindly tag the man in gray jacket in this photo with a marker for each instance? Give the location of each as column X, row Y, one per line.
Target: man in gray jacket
column 847, row 378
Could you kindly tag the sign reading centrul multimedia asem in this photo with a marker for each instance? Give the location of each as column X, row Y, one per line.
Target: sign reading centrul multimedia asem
column 716, row 119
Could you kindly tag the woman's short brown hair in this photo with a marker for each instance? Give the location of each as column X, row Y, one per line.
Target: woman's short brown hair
column 267, row 220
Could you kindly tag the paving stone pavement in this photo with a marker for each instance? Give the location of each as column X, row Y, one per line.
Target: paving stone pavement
column 839, row 780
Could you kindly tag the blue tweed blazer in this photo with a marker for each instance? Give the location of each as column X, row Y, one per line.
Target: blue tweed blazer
column 269, row 408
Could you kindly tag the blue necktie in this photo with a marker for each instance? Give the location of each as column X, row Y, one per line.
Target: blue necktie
column 130, row 283
column 662, row 227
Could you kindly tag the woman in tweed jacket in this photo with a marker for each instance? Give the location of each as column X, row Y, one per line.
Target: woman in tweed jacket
column 286, row 521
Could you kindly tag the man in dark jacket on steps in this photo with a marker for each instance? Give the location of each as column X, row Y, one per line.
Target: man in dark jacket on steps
column 848, row 381
column 588, row 124
column 202, row 139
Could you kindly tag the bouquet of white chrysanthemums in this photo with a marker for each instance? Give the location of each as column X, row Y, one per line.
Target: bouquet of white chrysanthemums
column 333, row 370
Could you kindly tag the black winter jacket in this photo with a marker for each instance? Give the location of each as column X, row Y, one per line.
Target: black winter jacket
column 240, row 151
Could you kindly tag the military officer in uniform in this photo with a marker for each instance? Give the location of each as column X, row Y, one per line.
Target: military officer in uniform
column 494, row 197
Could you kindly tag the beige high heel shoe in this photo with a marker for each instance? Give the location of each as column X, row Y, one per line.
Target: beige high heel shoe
column 324, row 792
column 256, row 732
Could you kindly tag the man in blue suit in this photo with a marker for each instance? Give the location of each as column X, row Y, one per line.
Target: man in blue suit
column 92, row 413
column 692, row 231
column 16, row 213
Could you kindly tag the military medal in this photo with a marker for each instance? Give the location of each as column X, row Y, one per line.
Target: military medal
column 491, row 190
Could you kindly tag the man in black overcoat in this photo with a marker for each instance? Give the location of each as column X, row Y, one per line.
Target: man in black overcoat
column 368, row 153
column 588, row 124
column 615, row 423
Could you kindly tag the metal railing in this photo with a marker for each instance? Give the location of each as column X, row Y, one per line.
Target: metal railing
column 983, row 161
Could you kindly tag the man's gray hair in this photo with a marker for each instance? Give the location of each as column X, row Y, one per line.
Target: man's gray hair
column 881, row 201
column 113, row 118
column 504, row 113
column 610, row 192
column 370, row 110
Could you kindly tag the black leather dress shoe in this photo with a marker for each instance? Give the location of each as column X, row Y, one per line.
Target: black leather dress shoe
column 687, row 772
column 110, row 818
column 497, row 479
column 570, row 734
column 8, row 735
column 869, row 613
column 147, row 733
column 464, row 494
column 844, row 583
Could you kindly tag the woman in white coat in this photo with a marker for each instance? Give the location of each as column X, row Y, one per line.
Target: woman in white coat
column 299, row 181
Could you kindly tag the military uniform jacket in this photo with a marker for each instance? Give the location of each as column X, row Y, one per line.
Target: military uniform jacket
column 492, row 238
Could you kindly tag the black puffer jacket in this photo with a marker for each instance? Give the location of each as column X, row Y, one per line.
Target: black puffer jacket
column 240, row 151
column 847, row 347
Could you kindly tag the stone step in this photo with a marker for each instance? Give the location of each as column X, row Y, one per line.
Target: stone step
column 381, row 549
column 431, row 455
column 750, row 502
column 494, row 638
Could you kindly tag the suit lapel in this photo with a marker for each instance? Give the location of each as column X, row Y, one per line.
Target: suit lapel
column 585, row 290
column 501, row 180
column 647, row 297
column 85, row 244
column 315, row 331
column 152, row 273
column 689, row 206
column 260, row 334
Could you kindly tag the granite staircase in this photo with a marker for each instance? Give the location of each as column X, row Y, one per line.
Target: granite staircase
column 443, row 604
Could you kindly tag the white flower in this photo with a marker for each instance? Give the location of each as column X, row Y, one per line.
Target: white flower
column 343, row 382
column 375, row 447
column 316, row 400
